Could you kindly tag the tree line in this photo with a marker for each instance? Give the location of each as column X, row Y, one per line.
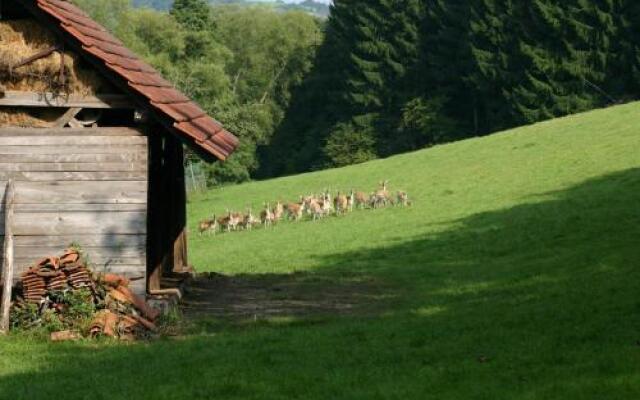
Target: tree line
column 239, row 63
column 398, row 75
column 380, row 77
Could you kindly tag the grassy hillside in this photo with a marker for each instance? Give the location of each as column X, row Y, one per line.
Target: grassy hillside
column 515, row 275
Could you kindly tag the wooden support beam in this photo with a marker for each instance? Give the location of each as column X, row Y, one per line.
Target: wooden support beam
column 13, row 98
column 37, row 56
column 67, row 117
column 7, row 265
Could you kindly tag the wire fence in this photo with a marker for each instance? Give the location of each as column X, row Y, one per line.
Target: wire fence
column 196, row 178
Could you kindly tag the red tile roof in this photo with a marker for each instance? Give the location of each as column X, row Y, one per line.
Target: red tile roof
column 189, row 120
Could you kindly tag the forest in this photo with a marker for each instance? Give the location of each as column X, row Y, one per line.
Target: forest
column 381, row 77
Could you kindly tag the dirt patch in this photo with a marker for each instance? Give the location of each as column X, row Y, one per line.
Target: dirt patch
column 266, row 296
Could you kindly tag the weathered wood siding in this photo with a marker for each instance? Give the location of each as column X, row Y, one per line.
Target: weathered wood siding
column 86, row 186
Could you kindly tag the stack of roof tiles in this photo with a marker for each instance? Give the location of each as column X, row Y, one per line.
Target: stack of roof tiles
column 55, row 274
column 121, row 313
column 188, row 119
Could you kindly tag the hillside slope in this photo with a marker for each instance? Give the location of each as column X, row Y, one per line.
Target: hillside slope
column 519, row 173
column 515, row 275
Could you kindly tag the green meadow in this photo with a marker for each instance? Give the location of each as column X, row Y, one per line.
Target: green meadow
column 515, row 274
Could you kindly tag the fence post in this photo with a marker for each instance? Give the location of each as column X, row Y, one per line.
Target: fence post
column 7, row 266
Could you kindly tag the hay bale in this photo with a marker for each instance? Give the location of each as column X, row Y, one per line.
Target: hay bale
column 29, row 118
column 23, row 38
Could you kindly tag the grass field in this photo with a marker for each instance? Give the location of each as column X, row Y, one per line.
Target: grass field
column 515, row 275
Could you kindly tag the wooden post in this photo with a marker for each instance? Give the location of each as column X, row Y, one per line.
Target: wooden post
column 7, row 267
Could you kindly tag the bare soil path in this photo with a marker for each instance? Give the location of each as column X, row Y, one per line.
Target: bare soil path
column 267, row 296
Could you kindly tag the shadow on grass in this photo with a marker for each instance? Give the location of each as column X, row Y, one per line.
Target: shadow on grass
column 536, row 301
column 244, row 297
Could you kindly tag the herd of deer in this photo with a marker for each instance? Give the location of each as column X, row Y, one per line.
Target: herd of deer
column 316, row 207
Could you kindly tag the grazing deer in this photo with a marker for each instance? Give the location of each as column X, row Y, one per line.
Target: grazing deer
column 306, row 201
column 208, row 226
column 340, row 203
column 309, row 203
column 361, row 200
column 235, row 220
column 315, row 209
column 326, row 203
column 381, row 196
column 278, row 212
column 403, row 199
column 223, row 222
column 266, row 216
column 249, row 220
column 294, row 210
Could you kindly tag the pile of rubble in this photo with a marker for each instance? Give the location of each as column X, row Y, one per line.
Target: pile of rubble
column 63, row 292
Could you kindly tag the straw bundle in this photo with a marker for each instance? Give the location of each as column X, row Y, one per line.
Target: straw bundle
column 23, row 38
column 31, row 118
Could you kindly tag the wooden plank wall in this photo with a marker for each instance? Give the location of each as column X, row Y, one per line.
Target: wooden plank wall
column 86, row 186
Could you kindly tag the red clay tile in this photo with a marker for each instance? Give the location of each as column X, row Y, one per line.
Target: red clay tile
column 192, row 131
column 212, row 148
column 97, row 34
column 141, row 78
column 160, row 95
column 207, row 124
column 71, row 13
column 180, row 112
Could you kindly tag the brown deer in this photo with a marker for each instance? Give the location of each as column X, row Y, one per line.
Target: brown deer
column 316, row 210
column 278, row 212
column 341, row 203
column 403, row 199
column 249, row 220
column 294, row 210
column 326, row 203
column 266, row 216
column 361, row 200
column 223, row 222
column 381, row 197
column 351, row 199
column 235, row 221
column 208, row 226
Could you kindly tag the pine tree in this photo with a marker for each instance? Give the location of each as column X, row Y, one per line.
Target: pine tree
column 624, row 69
column 493, row 31
column 563, row 56
column 386, row 48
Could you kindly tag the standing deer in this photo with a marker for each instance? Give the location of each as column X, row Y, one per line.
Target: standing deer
column 208, row 226
column 294, row 210
column 266, row 216
column 316, row 209
column 403, row 199
column 361, row 200
column 340, row 203
column 249, row 220
column 351, row 200
column 223, row 222
column 235, row 221
column 381, row 197
column 278, row 212
column 326, row 203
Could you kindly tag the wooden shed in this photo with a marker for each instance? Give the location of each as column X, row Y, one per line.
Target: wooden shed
column 93, row 138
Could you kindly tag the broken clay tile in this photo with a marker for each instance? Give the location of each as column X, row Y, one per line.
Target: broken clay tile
column 139, row 303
